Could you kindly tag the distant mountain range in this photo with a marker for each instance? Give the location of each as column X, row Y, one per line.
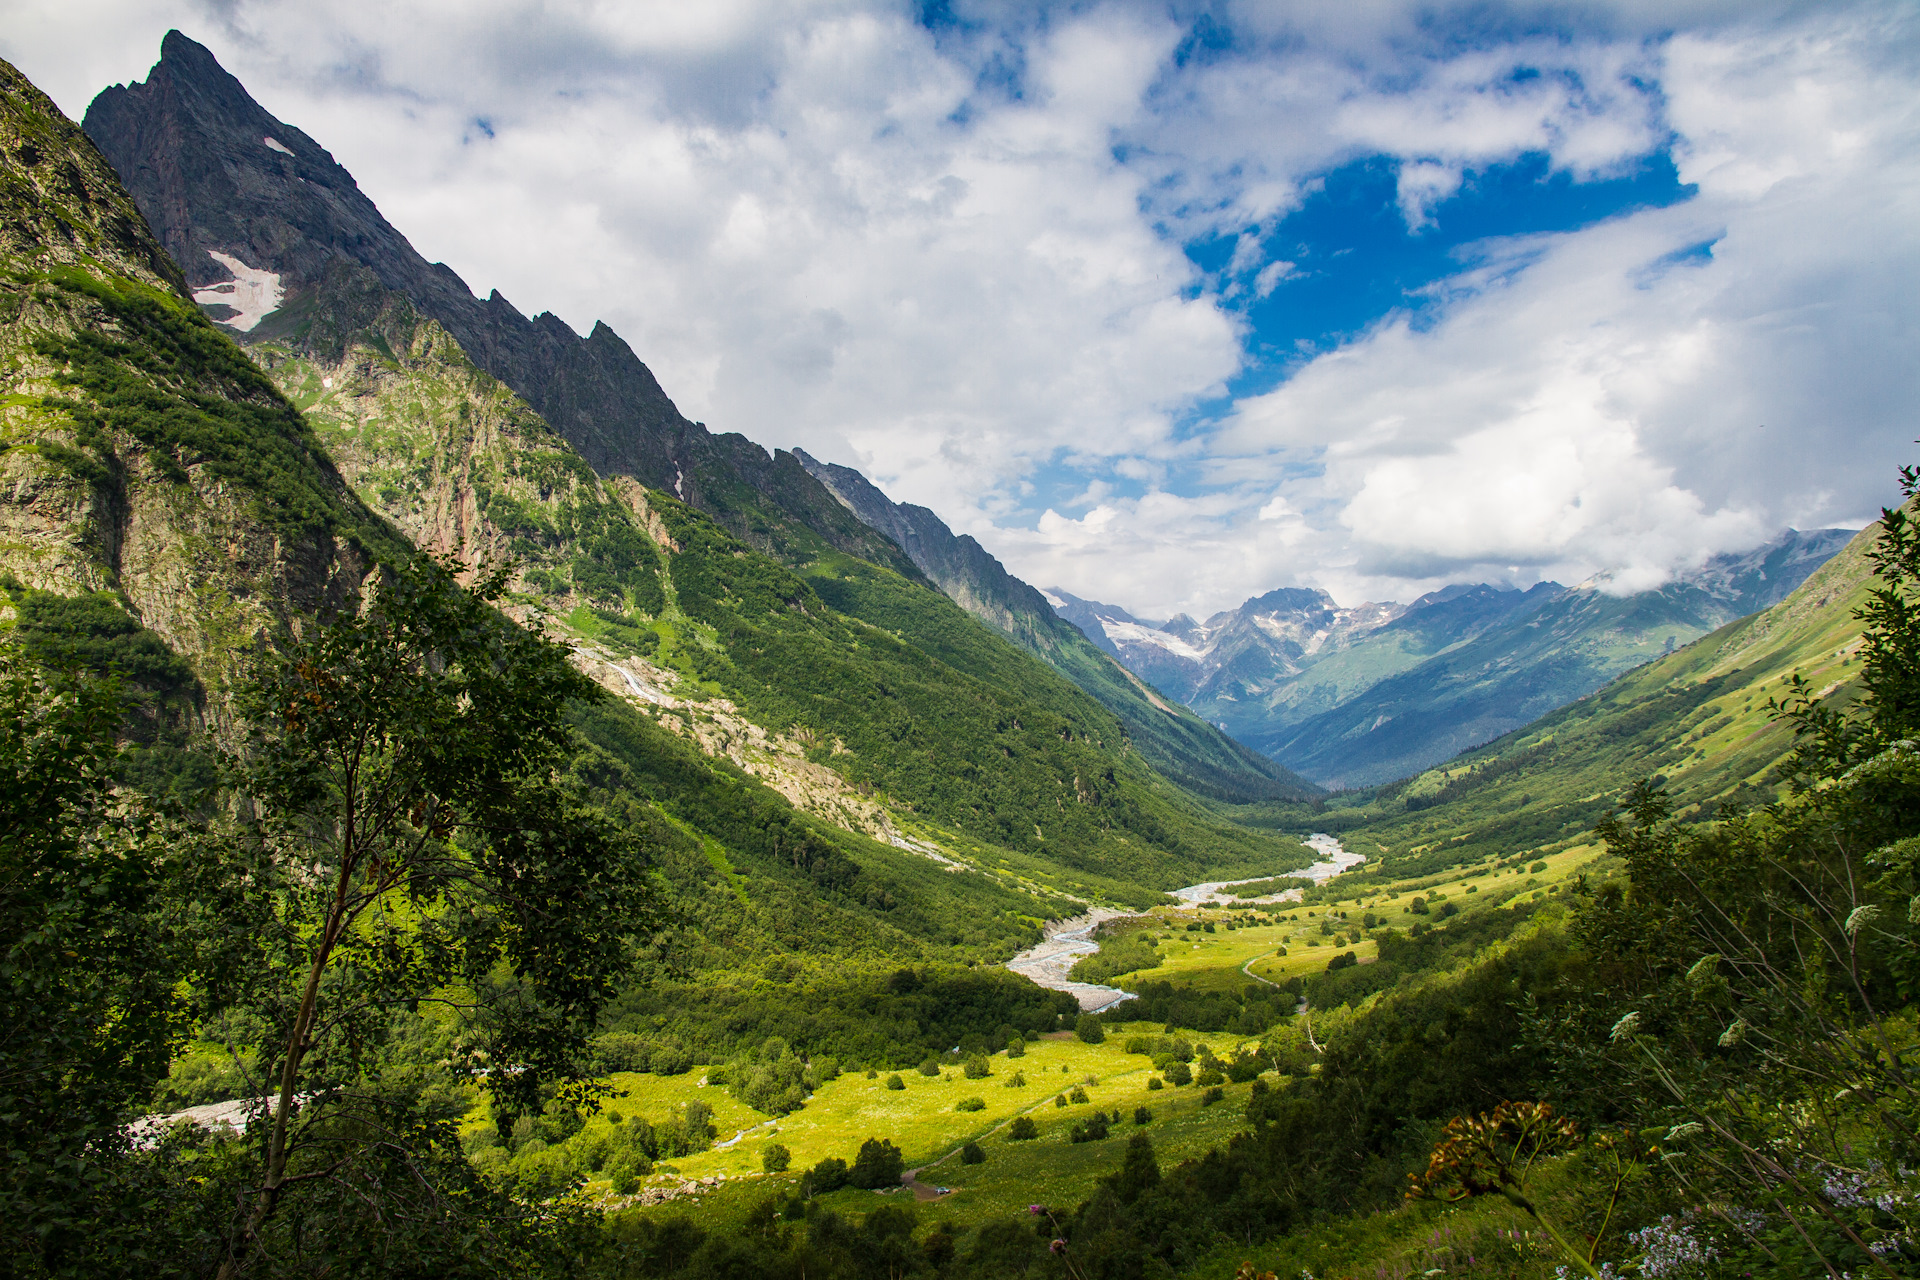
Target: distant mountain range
column 1360, row 696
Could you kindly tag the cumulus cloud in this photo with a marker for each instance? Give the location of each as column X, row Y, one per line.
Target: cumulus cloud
column 956, row 258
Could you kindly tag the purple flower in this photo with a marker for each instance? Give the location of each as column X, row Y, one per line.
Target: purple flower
column 1058, row 1246
column 1035, row 1210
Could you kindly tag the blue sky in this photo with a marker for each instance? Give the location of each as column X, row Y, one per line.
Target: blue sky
column 1172, row 304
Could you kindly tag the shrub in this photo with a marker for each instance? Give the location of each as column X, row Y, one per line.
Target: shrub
column 770, row 1080
column 970, row 1104
column 1059, row 1099
column 623, row 1177
column 1093, row 1129
column 1088, row 1028
column 878, row 1165
column 1212, row 1096
column 1418, row 906
column 1142, row 1116
column 1023, row 1129
column 1536, row 869
column 1148, row 1045
column 1078, row 1095
column 976, row 1067
column 1017, row 1081
column 776, row 1158
column 972, row 1154
column 1181, row 1050
column 1016, row 1048
column 1179, row 1074
column 1209, row 1076
column 829, row 1175
column 931, row 1067
column 1155, row 1082
column 1347, row 959
column 895, row 1082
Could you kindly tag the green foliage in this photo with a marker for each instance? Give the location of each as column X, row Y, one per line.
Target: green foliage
column 1087, row 1027
column 895, row 1083
column 970, row 1104
column 1124, row 951
column 1022, row 1129
column 168, row 379
column 405, row 766
column 771, row 1079
column 101, row 929
column 775, row 1158
column 972, row 1153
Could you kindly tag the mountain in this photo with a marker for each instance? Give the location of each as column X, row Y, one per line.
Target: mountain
column 1358, row 697
column 258, row 214
column 1178, row 743
column 1696, row 719
column 147, row 467
column 844, row 730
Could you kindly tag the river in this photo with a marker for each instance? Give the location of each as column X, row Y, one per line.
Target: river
column 1068, row 941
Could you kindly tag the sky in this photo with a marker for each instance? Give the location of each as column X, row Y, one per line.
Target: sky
column 1171, row 304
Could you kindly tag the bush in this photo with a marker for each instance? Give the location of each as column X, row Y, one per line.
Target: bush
column 1346, row 959
column 1209, row 1076
column 624, row 1177
column 931, row 1067
column 1179, row 1074
column 1212, row 1096
column 1023, row 1129
column 1155, row 1082
column 970, row 1104
column 1078, row 1095
column 1017, row 1081
column 1088, row 1028
column 895, row 1082
column 1093, row 1129
column 878, row 1165
column 1536, row 869
column 976, row 1067
column 829, row 1175
column 776, row 1158
column 1418, row 906
column 972, row 1154
column 1142, row 1116
column 1016, row 1048
column 770, row 1080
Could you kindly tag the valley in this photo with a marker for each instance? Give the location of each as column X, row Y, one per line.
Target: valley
column 463, row 817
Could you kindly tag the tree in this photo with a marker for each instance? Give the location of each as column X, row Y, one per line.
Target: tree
column 97, row 937
column 1088, row 1028
column 776, row 1158
column 879, row 1164
column 408, row 805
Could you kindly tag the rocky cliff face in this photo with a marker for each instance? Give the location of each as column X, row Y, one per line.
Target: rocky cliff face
column 140, row 452
column 256, row 212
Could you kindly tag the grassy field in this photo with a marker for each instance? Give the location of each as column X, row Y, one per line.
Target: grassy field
column 921, row 1119
column 1226, row 959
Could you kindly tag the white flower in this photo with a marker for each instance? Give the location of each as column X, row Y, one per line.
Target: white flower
column 1735, row 1032
column 1860, row 917
column 1681, row 1132
column 1626, row 1028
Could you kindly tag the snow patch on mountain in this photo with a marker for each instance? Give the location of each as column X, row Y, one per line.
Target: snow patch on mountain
column 252, row 295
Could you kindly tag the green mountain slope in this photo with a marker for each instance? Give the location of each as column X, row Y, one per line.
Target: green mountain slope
column 1179, row 743
column 1697, row 718
column 141, row 454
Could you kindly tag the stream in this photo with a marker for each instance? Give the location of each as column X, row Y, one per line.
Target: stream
column 1068, row 941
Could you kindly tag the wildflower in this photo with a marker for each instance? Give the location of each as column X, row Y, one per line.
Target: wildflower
column 1681, row 1132
column 1736, row 1032
column 1035, row 1210
column 1626, row 1028
column 1859, row 918
column 1057, row 1247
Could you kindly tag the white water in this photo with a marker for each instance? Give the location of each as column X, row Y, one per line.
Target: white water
column 1068, row 941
